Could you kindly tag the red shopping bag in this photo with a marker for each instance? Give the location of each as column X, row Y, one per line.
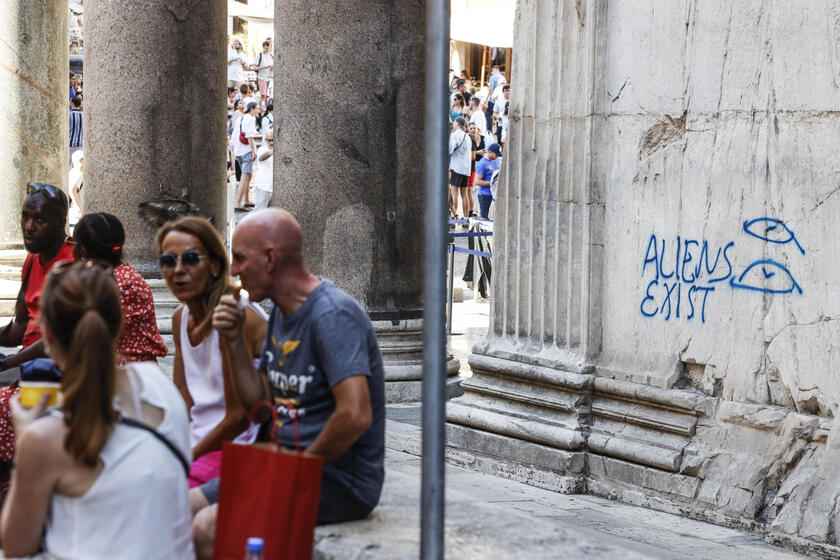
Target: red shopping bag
column 268, row 493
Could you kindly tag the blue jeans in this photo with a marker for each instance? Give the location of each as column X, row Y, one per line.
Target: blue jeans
column 484, row 201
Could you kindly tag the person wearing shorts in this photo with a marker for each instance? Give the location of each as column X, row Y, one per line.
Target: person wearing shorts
column 484, row 171
column 245, row 155
column 338, row 394
column 460, row 156
column 265, row 62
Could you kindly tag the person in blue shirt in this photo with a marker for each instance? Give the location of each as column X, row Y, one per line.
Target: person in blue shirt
column 320, row 358
column 484, row 170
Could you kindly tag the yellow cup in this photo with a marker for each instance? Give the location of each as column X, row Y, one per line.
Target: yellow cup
column 31, row 391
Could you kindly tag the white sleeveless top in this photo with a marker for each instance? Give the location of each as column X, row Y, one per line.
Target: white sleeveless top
column 138, row 506
column 205, row 382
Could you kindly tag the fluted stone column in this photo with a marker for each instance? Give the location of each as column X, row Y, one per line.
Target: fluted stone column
column 529, row 396
column 34, row 65
column 155, row 81
column 349, row 159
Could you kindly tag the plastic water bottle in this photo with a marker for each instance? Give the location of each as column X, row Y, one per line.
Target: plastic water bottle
column 254, row 549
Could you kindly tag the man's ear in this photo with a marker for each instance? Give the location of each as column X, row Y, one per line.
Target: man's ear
column 270, row 259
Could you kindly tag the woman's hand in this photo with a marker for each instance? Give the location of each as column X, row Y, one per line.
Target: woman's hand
column 22, row 416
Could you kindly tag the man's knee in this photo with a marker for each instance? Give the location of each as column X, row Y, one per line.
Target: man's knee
column 198, row 501
column 204, row 531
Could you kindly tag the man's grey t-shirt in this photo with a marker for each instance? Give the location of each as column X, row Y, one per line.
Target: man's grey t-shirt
column 328, row 339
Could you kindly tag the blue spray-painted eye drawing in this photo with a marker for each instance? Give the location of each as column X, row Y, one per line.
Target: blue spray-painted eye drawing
column 766, row 276
column 772, row 231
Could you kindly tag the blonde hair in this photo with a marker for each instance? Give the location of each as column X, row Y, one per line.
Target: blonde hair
column 209, row 238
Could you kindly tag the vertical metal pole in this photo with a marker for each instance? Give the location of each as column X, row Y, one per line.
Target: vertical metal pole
column 451, row 290
column 434, row 288
column 476, row 271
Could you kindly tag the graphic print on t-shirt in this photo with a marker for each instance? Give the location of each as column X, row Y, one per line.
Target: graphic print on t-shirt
column 328, row 339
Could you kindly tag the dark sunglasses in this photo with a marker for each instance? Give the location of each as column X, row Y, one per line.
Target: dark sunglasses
column 190, row 258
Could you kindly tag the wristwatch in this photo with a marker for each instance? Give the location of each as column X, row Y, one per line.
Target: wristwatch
column 3, row 363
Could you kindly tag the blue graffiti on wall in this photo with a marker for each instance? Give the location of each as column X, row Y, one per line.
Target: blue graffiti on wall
column 685, row 272
column 772, row 231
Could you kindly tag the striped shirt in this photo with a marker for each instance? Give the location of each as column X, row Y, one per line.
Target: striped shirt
column 75, row 128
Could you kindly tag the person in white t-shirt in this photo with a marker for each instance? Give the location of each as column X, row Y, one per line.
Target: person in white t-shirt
column 500, row 114
column 245, row 94
column 237, row 62
column 267, row 122
column 245, row 154
column 263, row 65
column 477, row 116
column 264, row 179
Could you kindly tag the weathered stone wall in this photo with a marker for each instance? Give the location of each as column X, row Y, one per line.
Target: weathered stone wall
column 665, row 296
column 35, row 125
column 349, row 164
column 154, row 115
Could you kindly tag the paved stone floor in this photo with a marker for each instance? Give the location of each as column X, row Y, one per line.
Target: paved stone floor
column 490, row 517
column 493, row 518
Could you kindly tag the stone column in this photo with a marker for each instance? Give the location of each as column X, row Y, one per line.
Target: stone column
column 529, row 395
column 34, row 67
column 155, row 81
column 349, row 159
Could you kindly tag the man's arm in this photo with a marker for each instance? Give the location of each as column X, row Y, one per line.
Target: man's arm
column 34, row 350
column 352, row 417
column 265, row 155
column 229, row 320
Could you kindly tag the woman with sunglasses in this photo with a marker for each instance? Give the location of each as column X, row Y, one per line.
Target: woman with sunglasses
column 457, row 107
column 86, row 469
column 101, row 237
column 193, row 262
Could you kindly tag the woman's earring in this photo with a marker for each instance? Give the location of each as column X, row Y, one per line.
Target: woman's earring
column 46, row 349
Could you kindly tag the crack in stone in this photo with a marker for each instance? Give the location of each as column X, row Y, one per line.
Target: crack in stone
column 826, row 197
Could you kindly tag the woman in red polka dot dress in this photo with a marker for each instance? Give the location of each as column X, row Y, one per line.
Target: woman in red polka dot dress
column 100, row 237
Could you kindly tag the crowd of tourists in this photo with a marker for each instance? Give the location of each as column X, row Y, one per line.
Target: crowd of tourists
column 250, row 118
column 124, row 439
column 479, row 120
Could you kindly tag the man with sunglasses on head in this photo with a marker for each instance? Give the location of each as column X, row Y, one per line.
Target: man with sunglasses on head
column 43, row 220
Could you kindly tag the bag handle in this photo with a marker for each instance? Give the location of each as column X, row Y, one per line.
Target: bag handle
column 273, row 433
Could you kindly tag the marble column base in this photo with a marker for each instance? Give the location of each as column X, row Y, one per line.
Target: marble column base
column 401, row 344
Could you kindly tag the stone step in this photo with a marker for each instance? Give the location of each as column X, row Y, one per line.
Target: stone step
column 11, row 273
column 13, row 257
column 9, row 289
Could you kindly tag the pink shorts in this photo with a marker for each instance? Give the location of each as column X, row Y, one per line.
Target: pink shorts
column 263, row 85
column 205, row 468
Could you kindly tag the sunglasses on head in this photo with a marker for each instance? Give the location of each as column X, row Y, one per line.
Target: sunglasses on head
column 190, row 258
column 50, row 190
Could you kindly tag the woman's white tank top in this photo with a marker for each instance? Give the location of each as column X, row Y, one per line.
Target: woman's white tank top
column 205, row 382
column 138, row 507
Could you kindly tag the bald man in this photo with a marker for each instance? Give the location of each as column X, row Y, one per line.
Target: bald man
column 320, row 357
